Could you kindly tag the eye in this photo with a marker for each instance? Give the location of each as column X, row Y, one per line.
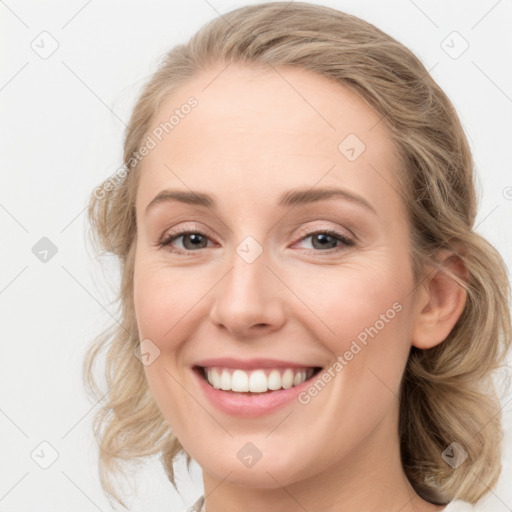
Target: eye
column 192, row 240
column 322, row 241
column 327, row 239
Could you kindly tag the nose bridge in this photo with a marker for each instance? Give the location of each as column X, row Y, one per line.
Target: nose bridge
column 247, row 296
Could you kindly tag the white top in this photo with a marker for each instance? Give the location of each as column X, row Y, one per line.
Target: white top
column 453, row 506
column 459, row 506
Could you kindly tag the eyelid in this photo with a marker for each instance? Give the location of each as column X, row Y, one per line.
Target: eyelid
column 182, row 230
column 337, row 231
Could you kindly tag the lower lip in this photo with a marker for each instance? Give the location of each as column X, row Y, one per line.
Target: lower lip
column 250, row 404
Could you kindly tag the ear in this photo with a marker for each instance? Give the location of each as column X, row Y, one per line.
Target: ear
column 440, row 301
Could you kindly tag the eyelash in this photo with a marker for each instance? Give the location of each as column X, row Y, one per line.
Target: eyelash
column 345, row 241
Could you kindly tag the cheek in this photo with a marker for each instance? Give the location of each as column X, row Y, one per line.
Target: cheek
column 344, row 301
column 149, row 301
column 163, row 297
column 362, row 315
column 161, row 308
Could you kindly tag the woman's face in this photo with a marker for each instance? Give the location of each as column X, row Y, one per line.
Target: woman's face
column 273, row 269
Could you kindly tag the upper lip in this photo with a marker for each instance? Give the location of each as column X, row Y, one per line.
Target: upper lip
column 248, row 364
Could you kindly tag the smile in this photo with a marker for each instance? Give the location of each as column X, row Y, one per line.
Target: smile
column 253, row 391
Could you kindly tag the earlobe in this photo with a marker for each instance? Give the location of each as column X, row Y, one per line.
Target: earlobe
column 440, row 302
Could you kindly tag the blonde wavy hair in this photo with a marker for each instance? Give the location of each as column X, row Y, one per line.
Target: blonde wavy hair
column 448, row 392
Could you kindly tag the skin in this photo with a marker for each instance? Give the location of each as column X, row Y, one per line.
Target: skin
column 255, row 134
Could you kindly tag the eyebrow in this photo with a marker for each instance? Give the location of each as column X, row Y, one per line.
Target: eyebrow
column 293, row 197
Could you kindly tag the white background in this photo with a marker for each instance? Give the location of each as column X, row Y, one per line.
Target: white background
column 62, row 121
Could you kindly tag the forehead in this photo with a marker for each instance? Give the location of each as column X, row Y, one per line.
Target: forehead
column 255, row 130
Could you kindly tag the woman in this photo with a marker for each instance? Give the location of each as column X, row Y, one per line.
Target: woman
column 307, row 311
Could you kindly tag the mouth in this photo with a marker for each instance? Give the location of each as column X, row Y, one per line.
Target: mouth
column 255, row 381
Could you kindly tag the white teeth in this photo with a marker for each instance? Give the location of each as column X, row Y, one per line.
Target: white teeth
column 256, row 381
column 239, row 381
column 287, row 379
column 274, row 380
column 225, row 380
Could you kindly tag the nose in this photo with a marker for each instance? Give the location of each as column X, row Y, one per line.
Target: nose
column 248, row 301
